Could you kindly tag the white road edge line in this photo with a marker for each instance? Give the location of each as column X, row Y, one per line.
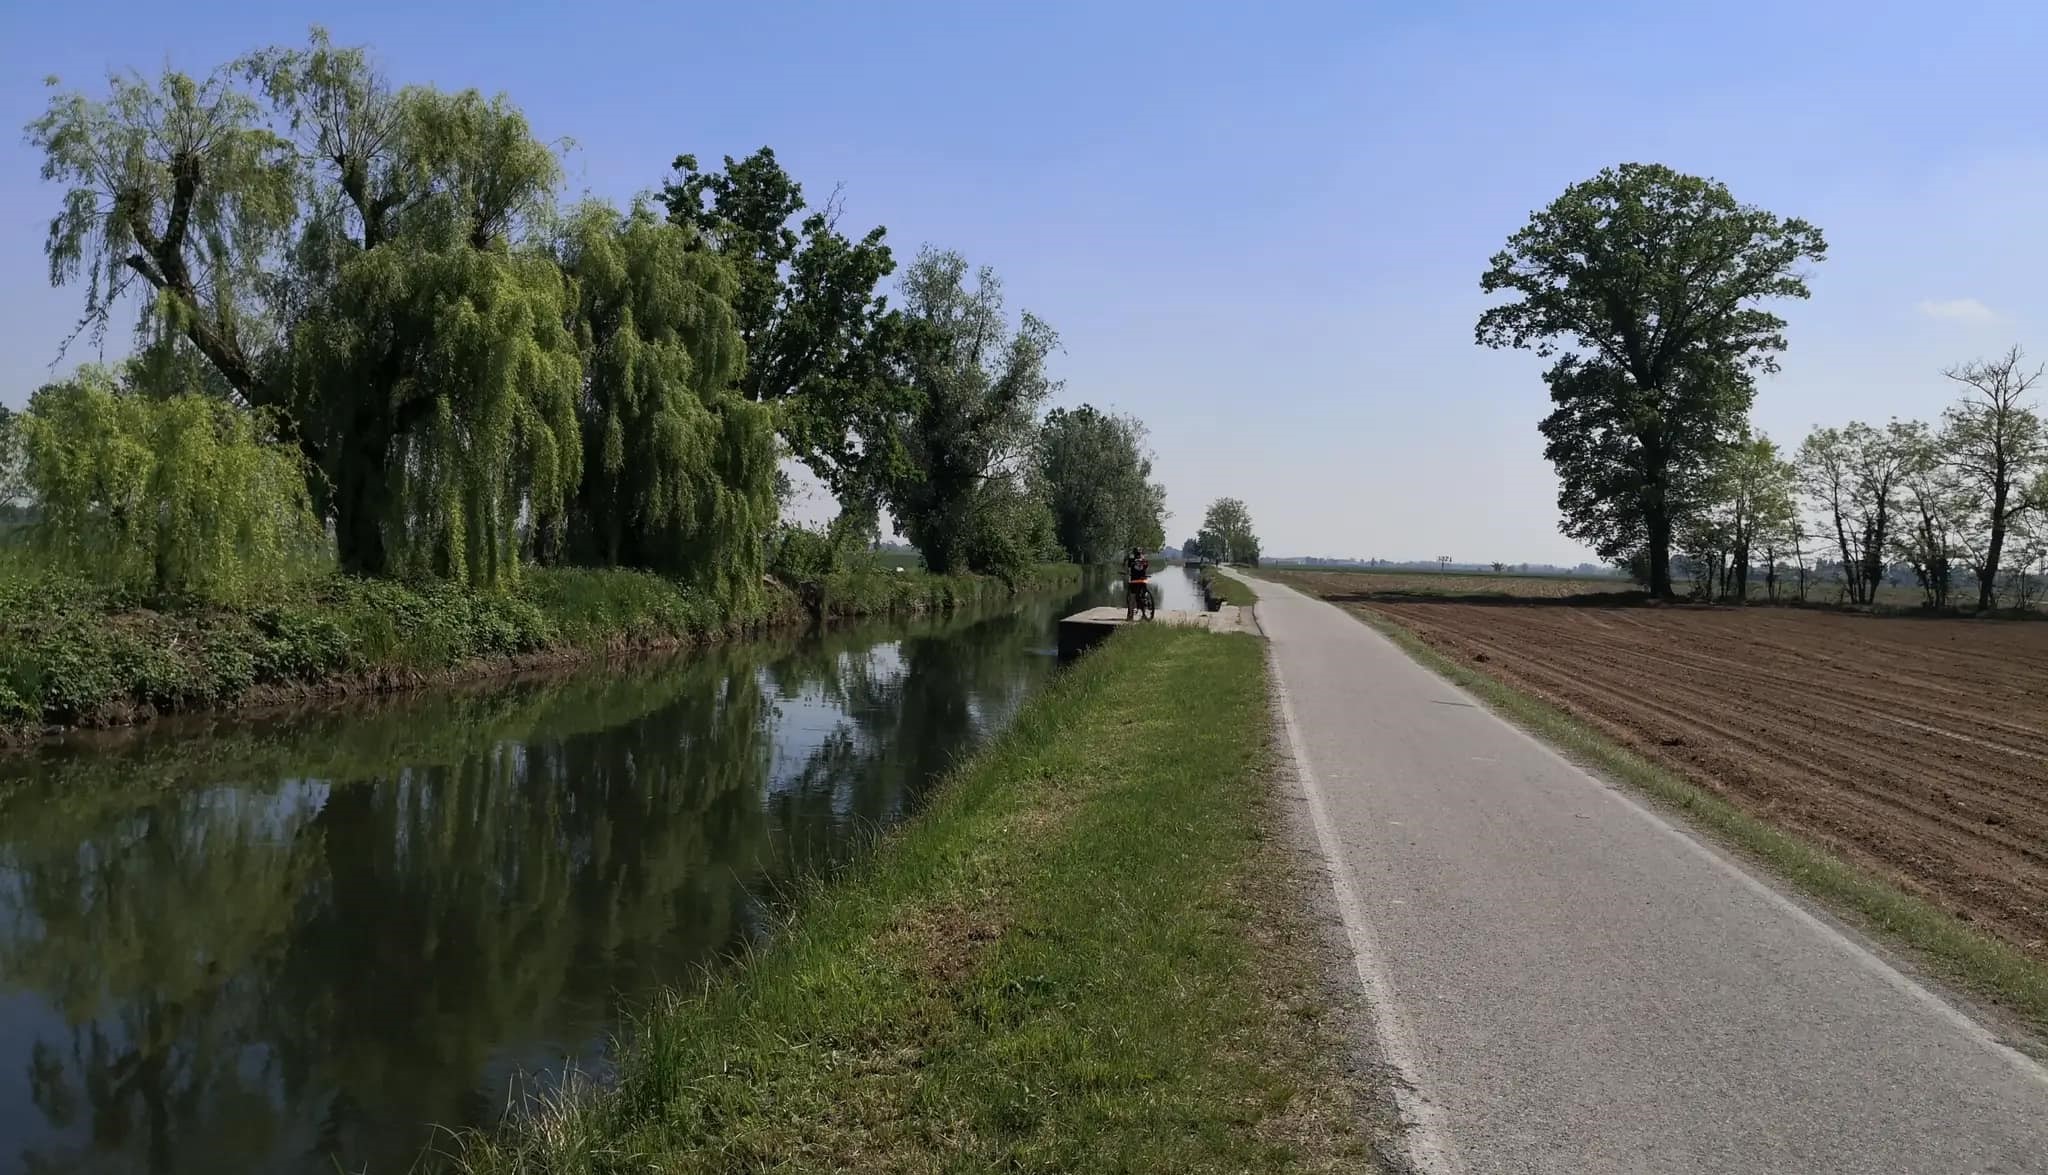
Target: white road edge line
column 1425, row 1142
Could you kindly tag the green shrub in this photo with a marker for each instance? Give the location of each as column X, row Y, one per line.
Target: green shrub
column 16, row 710
column 174, row 497
column 799, row 555
column 589, row 606
column 299, row 643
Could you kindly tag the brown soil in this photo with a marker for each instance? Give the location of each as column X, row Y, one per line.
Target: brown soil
column 1914, row 747
column 944, row 944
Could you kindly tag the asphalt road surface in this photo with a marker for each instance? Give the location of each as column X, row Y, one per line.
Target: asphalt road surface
column 1567, row 982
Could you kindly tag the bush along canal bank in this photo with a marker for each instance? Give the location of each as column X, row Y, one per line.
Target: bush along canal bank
column 74, row 654
column 1087, row 953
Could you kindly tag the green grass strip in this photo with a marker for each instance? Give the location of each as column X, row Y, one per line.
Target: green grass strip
column 1230, row 589
column 1979, row 962
column 1088, row 954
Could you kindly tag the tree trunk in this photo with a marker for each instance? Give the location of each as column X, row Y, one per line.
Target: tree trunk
column 1658, row 524
column 1874, row 563
column 1849, row 565
column 361, row 503
column 1987, row 575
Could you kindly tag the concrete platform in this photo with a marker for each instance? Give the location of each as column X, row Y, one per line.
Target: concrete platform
column 1084, row 630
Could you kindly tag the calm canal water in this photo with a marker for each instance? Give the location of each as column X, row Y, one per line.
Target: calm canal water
column 293, row 944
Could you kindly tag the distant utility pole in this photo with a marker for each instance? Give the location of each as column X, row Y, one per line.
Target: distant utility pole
column 1444, row 562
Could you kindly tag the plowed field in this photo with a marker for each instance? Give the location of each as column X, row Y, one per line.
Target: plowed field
column 1916, row 747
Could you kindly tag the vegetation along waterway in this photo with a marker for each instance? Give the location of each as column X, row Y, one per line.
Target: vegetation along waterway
column 283, row 944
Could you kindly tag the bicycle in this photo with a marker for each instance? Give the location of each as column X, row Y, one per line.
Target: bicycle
column 1138, row 599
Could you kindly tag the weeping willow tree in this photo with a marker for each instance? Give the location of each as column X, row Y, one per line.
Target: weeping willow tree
column 180, row 496
column 357, row 256
column 680, row 470
column 476, row 431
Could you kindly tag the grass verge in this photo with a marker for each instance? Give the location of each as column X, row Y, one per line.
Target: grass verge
column 1078, row 958
column 1976, row 961
column 1229, row 588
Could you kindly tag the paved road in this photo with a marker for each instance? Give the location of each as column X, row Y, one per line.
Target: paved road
column 1574, row 985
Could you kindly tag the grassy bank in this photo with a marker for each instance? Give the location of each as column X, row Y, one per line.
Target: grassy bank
column 1087, row 955
column 1975, row 960
column 76, row 653
column 1229, row 588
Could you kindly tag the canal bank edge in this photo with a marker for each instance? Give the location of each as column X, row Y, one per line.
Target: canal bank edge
column 70, row 660
column 1092, row 951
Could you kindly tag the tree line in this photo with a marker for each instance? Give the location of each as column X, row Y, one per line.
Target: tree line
column 1647, row 288
column 1226, row 535
column 376, row 300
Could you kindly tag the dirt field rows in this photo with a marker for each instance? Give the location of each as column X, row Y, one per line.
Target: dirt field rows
column 1917, row 747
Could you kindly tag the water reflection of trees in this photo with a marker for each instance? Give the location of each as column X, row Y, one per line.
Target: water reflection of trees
column 295, row 942
column 247, row 973
column 908, row 711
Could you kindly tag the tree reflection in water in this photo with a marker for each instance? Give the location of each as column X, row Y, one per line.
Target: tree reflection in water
column 290, row 944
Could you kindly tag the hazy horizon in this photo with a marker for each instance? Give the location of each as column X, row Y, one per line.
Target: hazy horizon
column 1261, row 233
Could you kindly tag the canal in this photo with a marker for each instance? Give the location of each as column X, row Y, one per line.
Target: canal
column 297, row 943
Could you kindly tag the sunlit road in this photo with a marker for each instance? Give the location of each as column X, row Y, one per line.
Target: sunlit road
column 1574, row 985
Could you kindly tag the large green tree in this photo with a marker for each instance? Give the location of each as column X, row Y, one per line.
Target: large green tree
column 1092, row 470
column 1855, row 476
column 679, row 470
column 978, row 386
column 819, row 336
column 1644, row 283
column 359, row 257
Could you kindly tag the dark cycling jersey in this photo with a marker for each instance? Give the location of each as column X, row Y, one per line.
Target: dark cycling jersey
column 1137, row 570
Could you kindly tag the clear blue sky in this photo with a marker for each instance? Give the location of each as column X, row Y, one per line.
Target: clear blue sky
column 1258, row 227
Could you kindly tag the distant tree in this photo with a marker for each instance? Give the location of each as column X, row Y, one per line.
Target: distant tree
column 1935, row 505
column 978, row 387
column 1652, row 278
column 1797, row 537
column 1753, row 489
column 1855, row 474
column 1226, row 534
column 2028, row 558
column 1780, row 534
column 1092, row 469
column 1191, row 550
column 1499, row 567
column 1996, row 445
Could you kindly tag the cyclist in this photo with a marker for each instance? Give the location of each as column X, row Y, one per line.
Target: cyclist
column 1137, row 585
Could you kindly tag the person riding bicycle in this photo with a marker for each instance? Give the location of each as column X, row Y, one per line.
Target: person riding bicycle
column 1137, row 583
